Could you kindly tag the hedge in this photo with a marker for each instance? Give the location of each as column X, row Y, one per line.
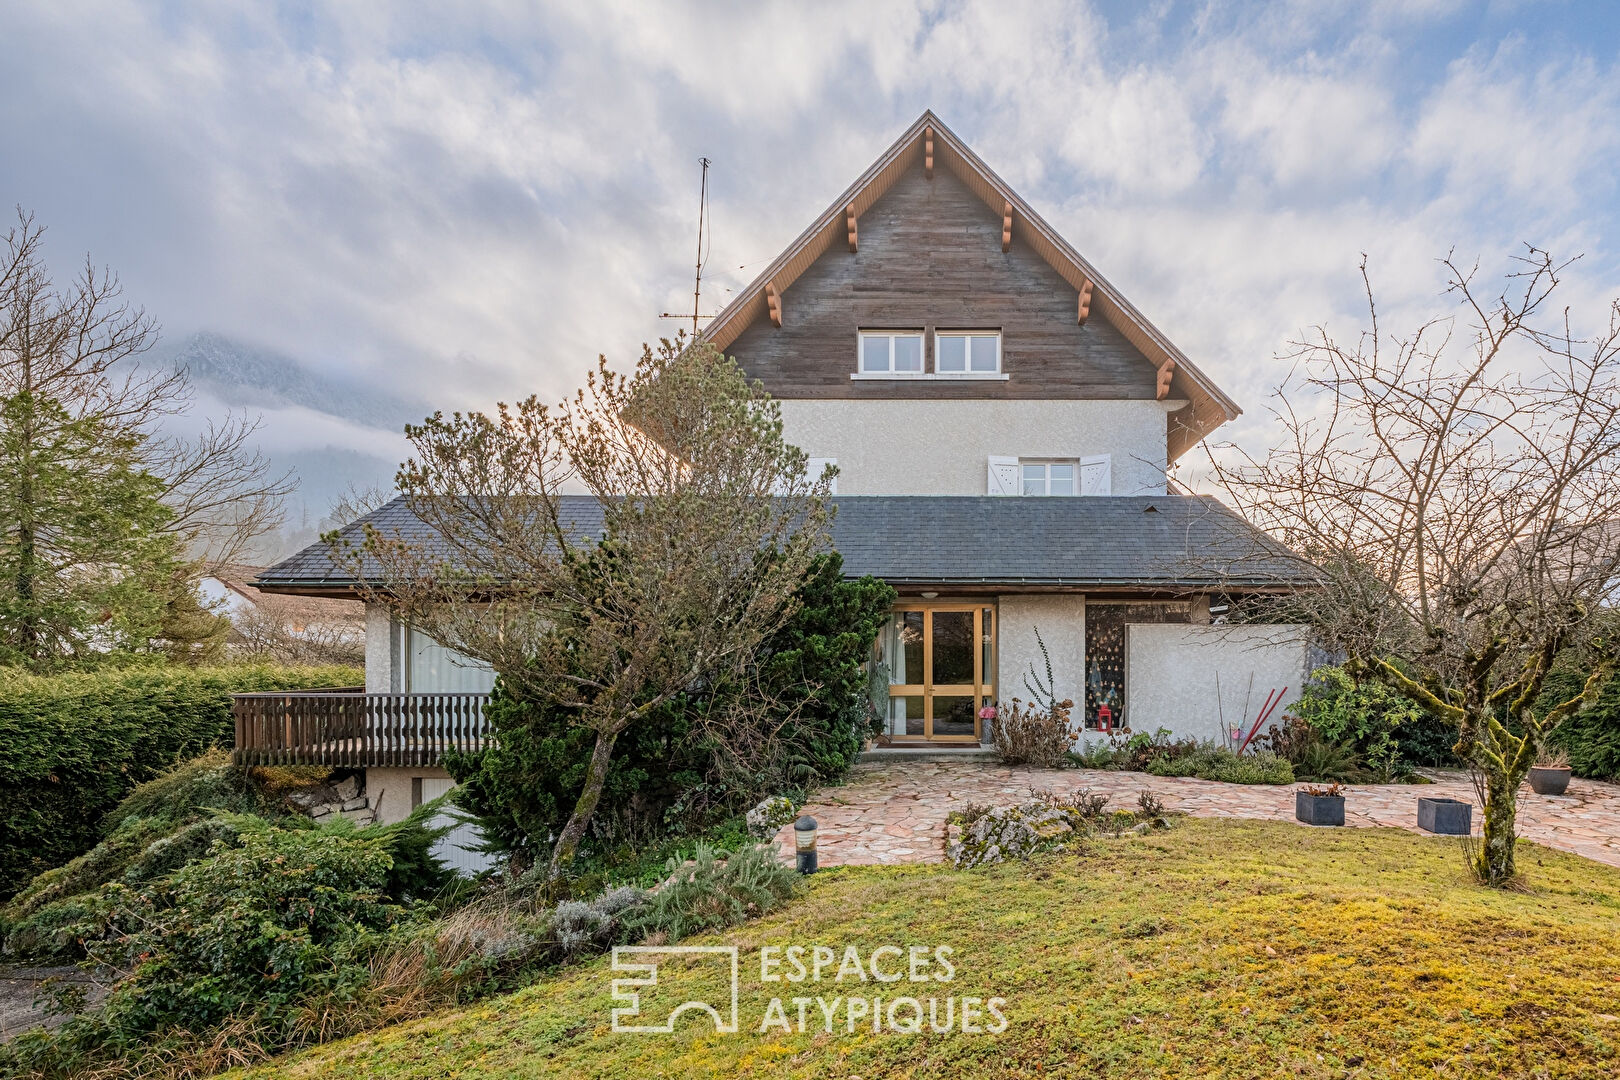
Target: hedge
column 72, row 746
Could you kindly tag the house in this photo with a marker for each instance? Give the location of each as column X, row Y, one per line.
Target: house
column 298, row 629
column 1003, row 421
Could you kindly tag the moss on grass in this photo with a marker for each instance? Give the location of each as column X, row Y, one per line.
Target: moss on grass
column 1222, row 949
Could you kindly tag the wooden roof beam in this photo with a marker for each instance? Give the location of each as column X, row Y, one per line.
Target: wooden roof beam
column 1166, row 370
column 773, row 303
column 1085, row 301
column 1006, row 225
column 928, row 152
column 849, row 222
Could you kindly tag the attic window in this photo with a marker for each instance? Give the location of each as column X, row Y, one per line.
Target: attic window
column 891, row 352
column 960, row 352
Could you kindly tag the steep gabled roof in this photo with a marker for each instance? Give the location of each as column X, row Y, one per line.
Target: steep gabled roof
column 1208, row 406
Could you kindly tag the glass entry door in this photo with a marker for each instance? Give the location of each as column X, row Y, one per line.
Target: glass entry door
column 941, row 664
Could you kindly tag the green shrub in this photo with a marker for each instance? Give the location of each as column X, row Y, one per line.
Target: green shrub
column 1591, row 737
column 185, row 815
column 72, row 746
column 263, row 935
column 665, row 778
column 710, row 894
column 1209, row 762
column 1386, row 729
column 1328, row 762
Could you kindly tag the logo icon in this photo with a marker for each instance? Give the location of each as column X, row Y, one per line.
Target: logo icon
column 629, row 958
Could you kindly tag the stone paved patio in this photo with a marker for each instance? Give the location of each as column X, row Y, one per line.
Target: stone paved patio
column 894, row 812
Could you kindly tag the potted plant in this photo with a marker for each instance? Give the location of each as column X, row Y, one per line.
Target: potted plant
column 1550, row 774
column 1320, row 805
column 1449, row 817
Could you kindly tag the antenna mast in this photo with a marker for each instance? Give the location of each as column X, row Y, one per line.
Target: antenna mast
column 702, row 254
column 703, row 206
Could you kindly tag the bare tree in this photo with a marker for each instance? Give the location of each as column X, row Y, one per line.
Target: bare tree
column 93, row 496
column 701, row 530
column 285, row 629
column 1461, row 500
column 356, row 502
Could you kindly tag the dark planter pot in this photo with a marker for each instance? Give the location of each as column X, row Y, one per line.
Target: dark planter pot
column 1449, row 817
column 1319, row 809
column 1546, row 780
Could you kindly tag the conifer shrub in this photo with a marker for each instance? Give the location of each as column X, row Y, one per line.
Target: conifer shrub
column 73, row 745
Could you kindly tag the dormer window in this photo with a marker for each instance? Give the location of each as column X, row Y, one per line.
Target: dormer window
column 891, row 352
column 967, row 352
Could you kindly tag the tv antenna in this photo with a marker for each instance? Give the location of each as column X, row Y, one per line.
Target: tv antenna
column 702, row 253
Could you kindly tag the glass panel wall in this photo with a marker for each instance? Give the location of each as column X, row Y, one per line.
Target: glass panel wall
column 431, row 668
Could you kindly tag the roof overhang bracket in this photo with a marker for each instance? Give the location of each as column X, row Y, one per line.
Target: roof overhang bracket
column 928, row 152
column 1006, row 225
column 849, row 222
column 1166, row 370
column 773, row 302
column 1085, row 301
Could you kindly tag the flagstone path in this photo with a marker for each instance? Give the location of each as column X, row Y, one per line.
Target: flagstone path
column 894, row 812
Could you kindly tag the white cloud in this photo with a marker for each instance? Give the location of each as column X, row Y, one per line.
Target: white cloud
column 472, row 204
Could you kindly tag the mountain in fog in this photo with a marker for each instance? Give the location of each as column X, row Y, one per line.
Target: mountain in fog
column 257, row 379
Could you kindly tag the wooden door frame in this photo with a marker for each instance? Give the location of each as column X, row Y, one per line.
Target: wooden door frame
column 984, row 685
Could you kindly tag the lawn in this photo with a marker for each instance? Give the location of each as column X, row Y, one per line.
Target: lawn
column 1225, row 949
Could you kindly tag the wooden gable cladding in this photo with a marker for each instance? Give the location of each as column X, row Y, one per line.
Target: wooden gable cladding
column 930, row 259
column 925, row 146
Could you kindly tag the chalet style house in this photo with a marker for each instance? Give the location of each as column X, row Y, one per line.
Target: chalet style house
column 1002, row 420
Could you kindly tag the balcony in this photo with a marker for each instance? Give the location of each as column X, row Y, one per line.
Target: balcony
column 355, row 730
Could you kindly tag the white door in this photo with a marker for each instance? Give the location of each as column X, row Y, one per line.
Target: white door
column 458, row 847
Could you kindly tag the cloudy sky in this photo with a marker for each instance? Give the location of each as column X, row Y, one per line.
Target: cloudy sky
column 464, row 202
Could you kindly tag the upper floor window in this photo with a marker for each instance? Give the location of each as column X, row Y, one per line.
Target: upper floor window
column 1050, row 476
column 891, row 352
column 1047, row 477
column 963, row 352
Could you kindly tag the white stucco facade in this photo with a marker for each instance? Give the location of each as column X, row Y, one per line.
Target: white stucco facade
column 379, row 650
column 915, row 447
column 1061, row 620
column 1172, row 672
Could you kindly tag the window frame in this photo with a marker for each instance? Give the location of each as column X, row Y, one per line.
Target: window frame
column 967, row 355
column 1046, row 467
column 861, row 337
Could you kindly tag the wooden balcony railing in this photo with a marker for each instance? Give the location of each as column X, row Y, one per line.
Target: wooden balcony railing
column 355, row 730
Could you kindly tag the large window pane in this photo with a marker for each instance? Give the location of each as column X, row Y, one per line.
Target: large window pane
column 984, row 353
column 874, row 353
column 906, row 715
column 1034, row 479
column 953, row 714
column 903, row 648
column 433, row 669
column 908, row 352
column 1062, row 480
column 953, row 647
column 952, row 357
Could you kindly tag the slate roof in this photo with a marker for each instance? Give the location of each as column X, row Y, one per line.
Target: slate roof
column 1144, row 542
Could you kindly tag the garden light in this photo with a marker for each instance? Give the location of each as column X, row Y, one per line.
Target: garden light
column 804, row 832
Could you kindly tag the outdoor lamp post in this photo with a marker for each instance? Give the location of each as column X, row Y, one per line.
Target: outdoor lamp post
column 804, row 834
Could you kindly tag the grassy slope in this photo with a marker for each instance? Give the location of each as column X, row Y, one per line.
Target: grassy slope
column 1219, row 949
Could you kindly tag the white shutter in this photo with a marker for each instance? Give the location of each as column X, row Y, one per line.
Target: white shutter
column 815, row 466
column 1003, row 476
column 1094, row 479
